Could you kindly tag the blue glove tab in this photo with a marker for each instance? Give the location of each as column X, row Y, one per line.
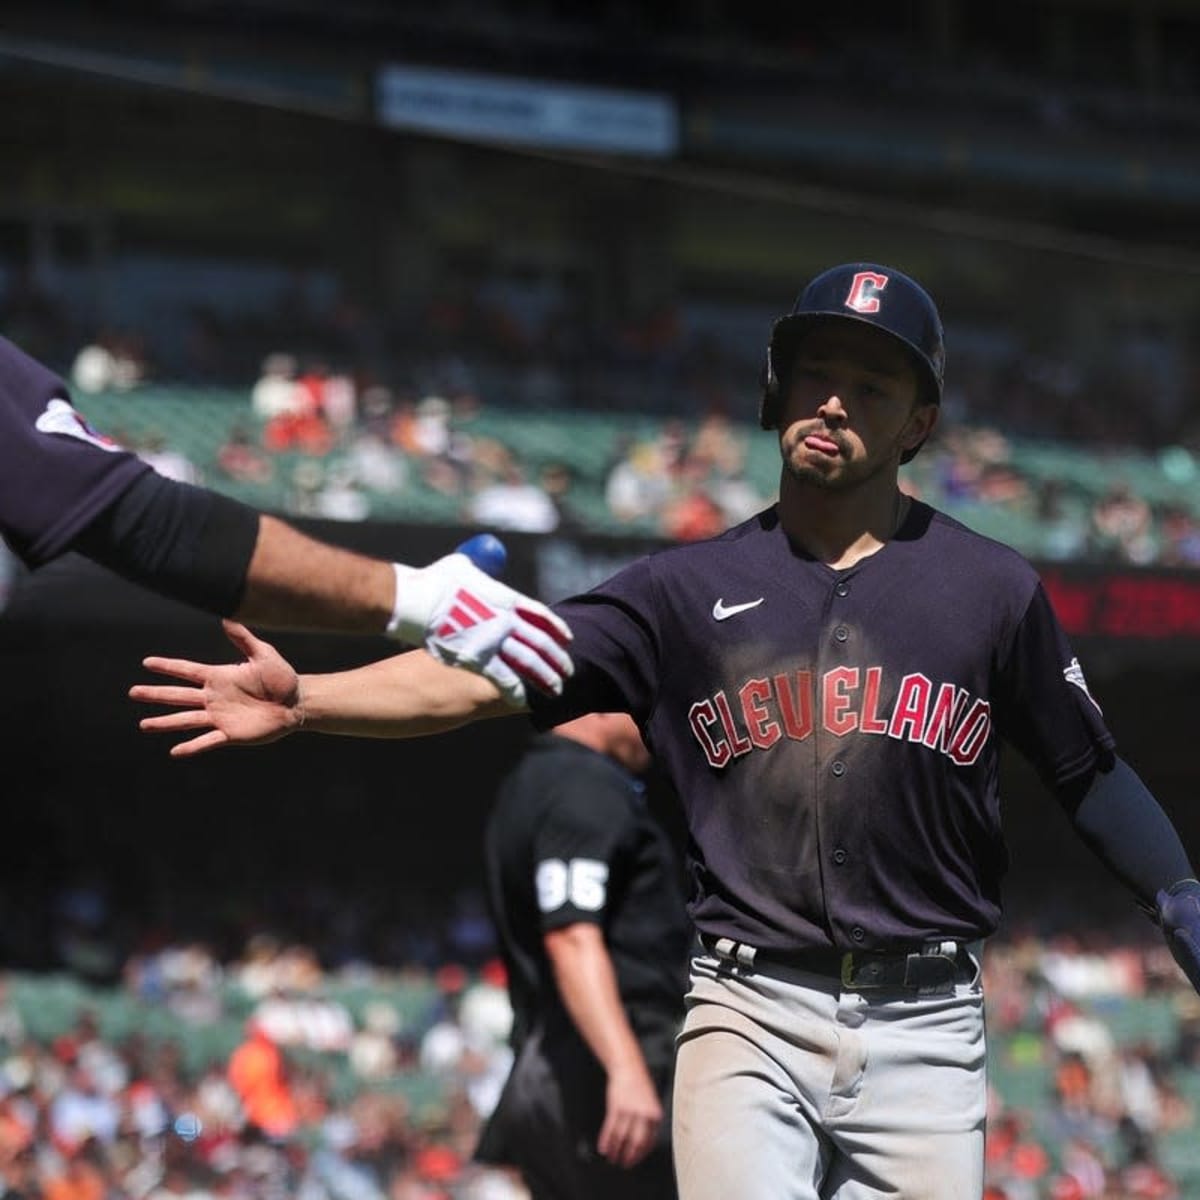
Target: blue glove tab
column 1179, row 916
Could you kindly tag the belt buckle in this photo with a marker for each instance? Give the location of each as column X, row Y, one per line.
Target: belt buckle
column 848, row 970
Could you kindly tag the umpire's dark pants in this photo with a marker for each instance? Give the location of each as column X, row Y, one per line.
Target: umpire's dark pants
column 549, row 1116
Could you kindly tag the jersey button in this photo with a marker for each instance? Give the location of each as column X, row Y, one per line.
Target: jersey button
column 858, row 933
column 839, row 856
column 842, row 589
column 841, row 633
column 838, row 768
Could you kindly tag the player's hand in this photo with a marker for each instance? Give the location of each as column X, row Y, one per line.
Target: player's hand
column 1179, row 916
column 466, row 619
column 238, row 704
column 633, row 1115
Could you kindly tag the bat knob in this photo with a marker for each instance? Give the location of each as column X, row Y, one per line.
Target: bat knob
column 487, row 552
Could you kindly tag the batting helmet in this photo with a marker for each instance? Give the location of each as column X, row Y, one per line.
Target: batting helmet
column 874, row 295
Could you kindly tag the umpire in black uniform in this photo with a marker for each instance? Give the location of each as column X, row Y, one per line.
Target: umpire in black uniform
column 586, row 896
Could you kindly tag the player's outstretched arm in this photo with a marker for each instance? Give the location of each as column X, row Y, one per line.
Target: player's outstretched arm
column 1178, row 911
column 226, row 558
column 1126, row 827
column 461, row 615
column 263, row 699
column 195, row 545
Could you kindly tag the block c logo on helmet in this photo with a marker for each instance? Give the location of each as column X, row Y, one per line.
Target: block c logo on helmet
column 864, row 291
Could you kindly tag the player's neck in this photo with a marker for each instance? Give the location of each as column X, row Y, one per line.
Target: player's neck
column 841, row 528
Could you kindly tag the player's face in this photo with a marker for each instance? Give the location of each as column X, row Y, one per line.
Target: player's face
column 851, row 408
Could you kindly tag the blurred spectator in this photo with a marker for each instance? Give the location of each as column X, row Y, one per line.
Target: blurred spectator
column 12, row 1024
column 640, row 483
column 339, row 496
column 1014, row 1159
column 1141, row 1176
column 447, row 456
column 338, row 400
column 1186, row 1049
column 1063, row 530
column 274, row 393
column 429, row 435
column 375, row 463
column 373, row 1052
column 269, row 967
column 110, row 362
column 259, row 1073
column 313, row 1022
column 81, row 1110
column 240, row 460
column 94, row 368
column 558, row 481
column 303, row 425
column 169, row 460
column 693, row 515
column 19, row 1175
column 1083, row 1165
column 513, row 502
column 1179, row 537
column 1139, row 1092
column 81, row 1176
column 1121, row 526
column 304, row 493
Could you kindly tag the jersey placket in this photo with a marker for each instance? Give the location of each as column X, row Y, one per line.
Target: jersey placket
column 839, row 816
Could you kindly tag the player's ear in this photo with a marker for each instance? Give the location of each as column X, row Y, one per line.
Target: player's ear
column 921, row 423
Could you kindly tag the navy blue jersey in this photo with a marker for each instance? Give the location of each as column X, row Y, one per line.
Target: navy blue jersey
column 59, row 474
column 834, row 736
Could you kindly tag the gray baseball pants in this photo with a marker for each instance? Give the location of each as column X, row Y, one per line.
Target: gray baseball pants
column 787, row 1087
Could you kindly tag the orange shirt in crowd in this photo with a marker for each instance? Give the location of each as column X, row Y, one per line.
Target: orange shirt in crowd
column 258, row 1073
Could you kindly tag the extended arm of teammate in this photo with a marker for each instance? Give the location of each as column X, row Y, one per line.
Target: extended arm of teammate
column 587, row 983
column 263, row 699
column 226, row 558
column 1127, row 829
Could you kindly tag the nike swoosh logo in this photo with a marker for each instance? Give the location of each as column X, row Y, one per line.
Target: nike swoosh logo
column 723, row 611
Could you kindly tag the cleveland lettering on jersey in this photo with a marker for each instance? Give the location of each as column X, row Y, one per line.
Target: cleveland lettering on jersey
column 943, row 717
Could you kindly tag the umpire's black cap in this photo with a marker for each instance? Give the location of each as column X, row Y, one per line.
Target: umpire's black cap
column 870, row 293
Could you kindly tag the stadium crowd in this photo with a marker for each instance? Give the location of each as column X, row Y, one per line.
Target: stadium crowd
column 373, row 410
column 365, row 1081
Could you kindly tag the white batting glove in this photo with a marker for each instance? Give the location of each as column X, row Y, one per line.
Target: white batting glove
column 466, row 619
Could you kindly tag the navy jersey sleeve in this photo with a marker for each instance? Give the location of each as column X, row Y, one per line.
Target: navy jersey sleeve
column 1043, row 706
column 575, row 854
column 615, row 650
column 59, row 474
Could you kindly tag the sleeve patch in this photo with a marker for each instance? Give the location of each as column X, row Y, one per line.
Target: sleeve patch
column 60, row 418
column 1073, row 673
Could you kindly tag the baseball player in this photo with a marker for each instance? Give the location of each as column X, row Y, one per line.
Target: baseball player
column 827, row 685
column 64, row 486
column 584, row 893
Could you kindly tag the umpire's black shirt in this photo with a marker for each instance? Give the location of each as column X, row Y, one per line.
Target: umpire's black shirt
column 570, row 839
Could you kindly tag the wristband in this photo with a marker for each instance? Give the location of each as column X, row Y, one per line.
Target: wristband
column 397, row 616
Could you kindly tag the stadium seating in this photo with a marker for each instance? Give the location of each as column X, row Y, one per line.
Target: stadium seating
column 197, row 421
column 1021, row 1069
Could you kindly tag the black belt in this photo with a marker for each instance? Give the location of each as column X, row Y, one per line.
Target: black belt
column 936, row 966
